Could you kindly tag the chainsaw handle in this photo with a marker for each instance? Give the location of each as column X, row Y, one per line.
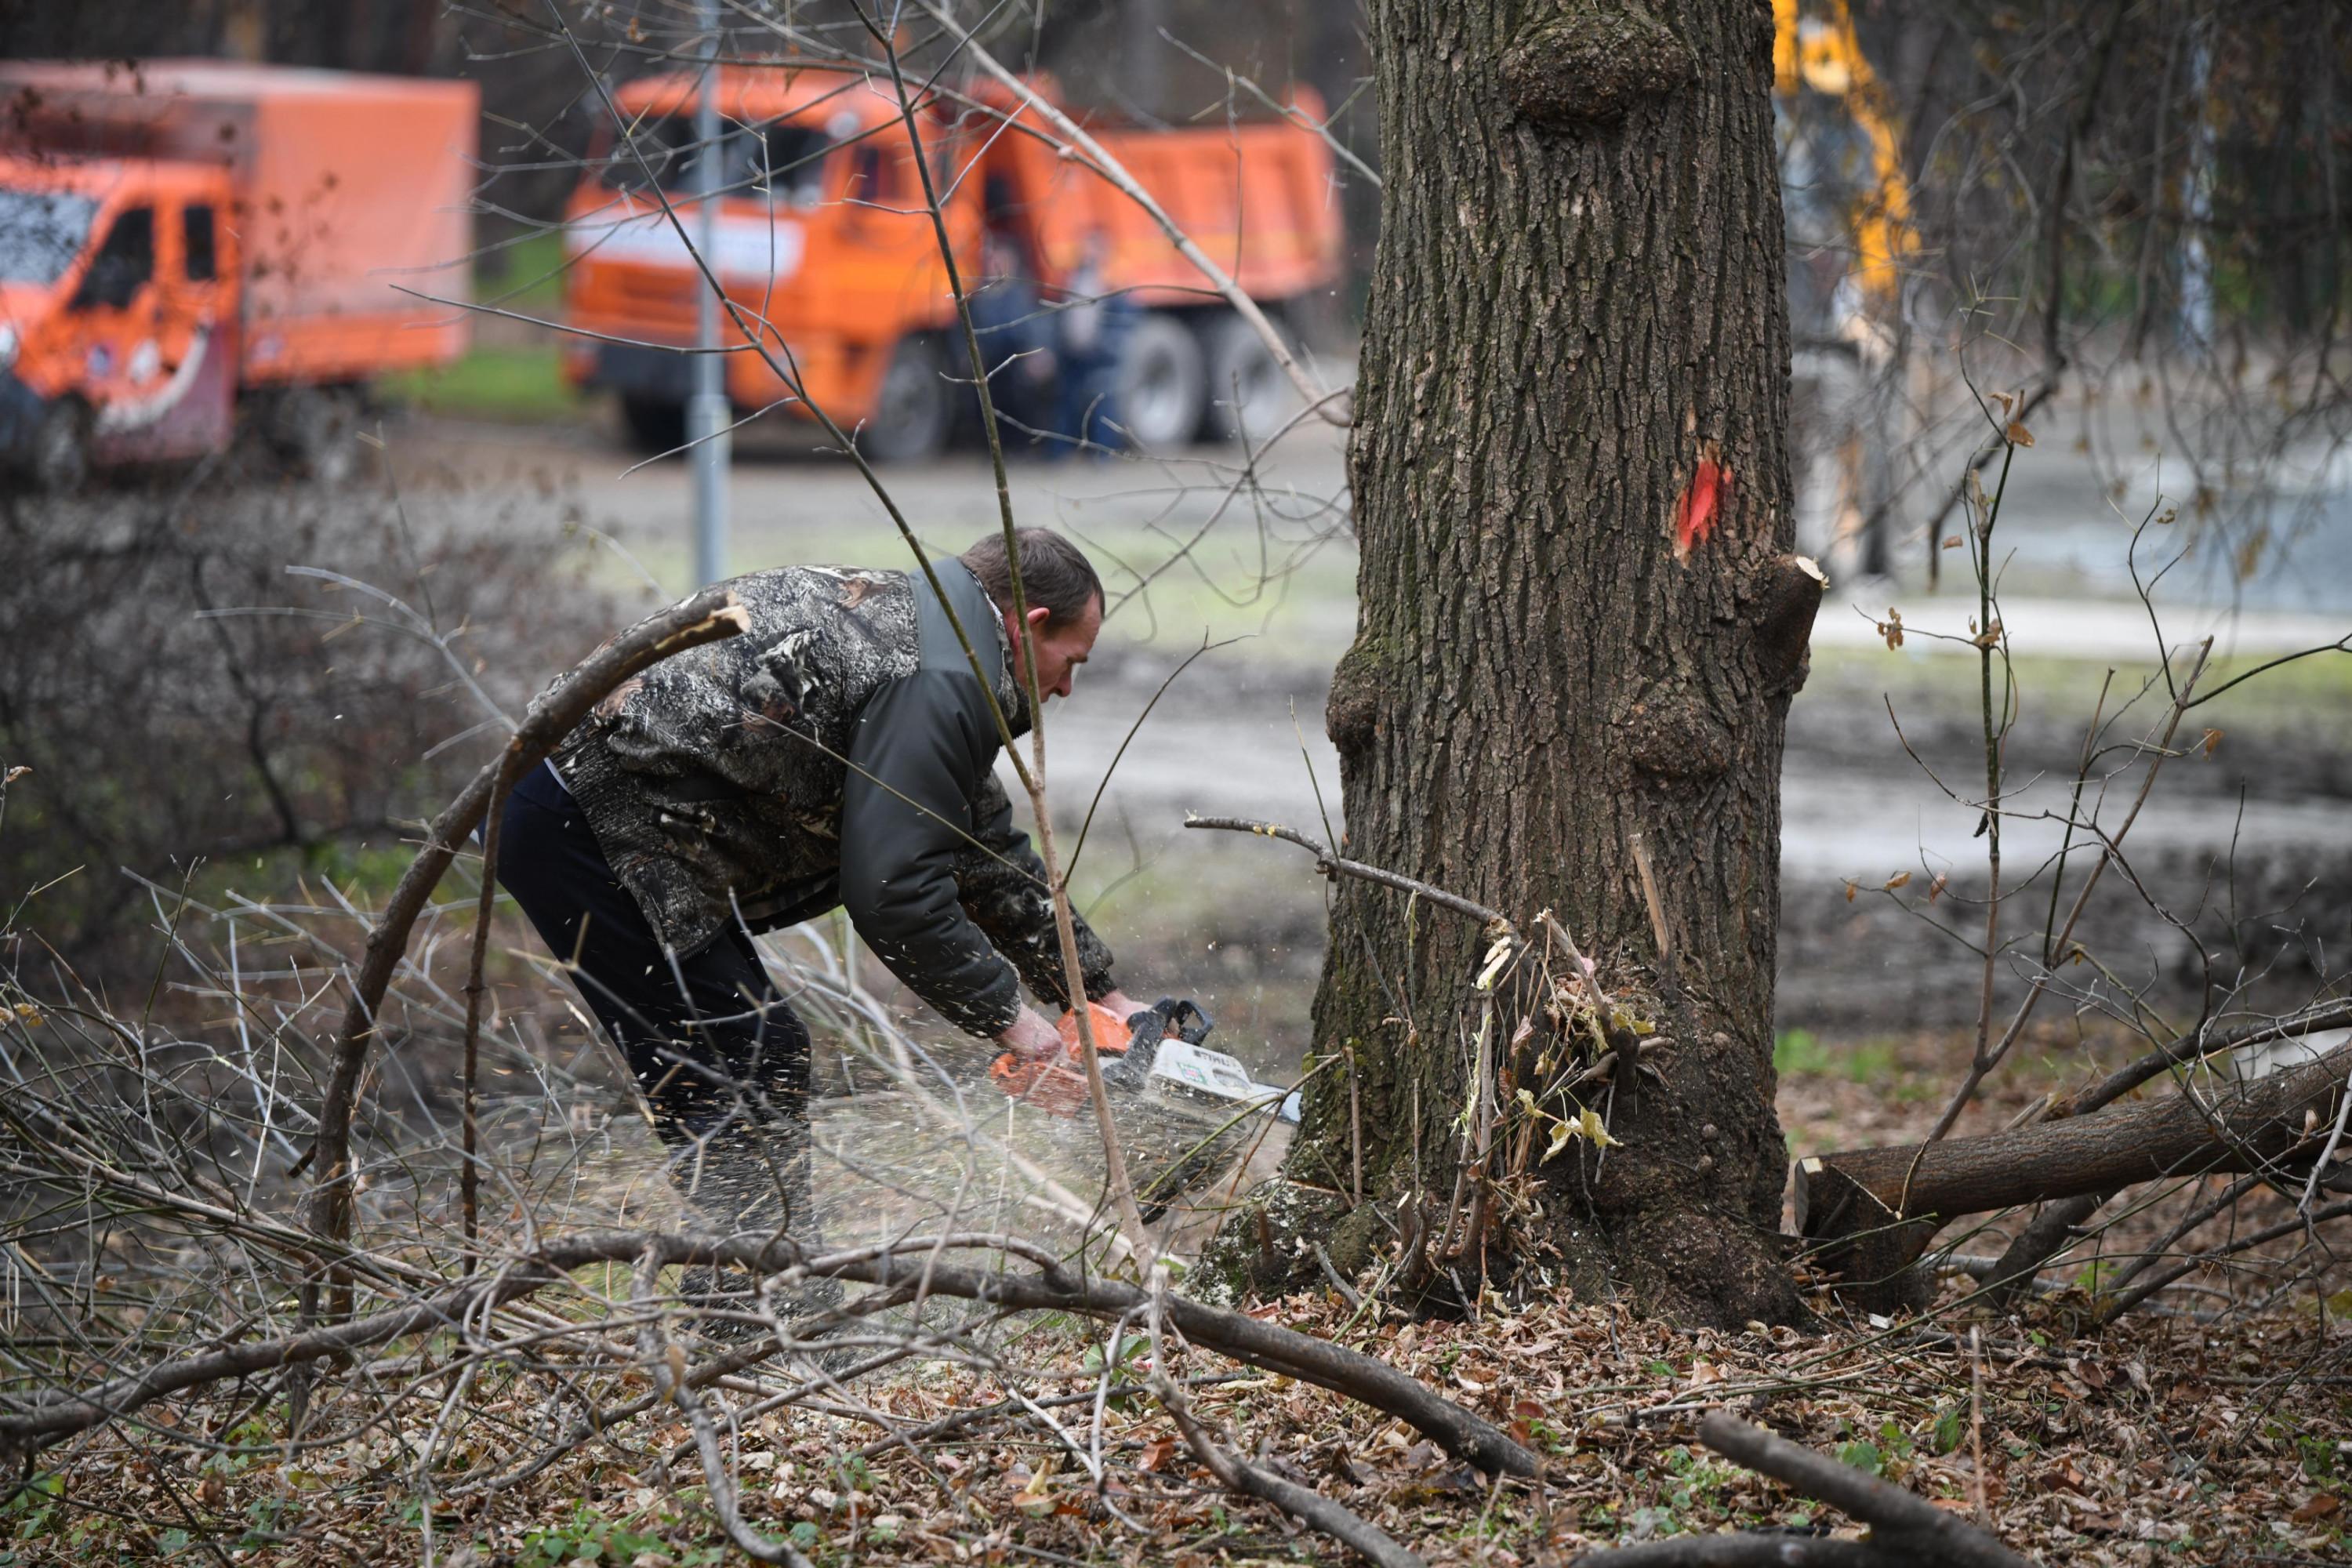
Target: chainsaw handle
column 1181, row 1016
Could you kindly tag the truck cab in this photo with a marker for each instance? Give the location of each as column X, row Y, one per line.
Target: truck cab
column 827, row 249
column 822, row 242
column 118, row 313
column 183, row 242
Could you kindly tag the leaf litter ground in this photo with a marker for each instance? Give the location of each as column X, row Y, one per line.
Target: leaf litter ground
column 2185, row 1435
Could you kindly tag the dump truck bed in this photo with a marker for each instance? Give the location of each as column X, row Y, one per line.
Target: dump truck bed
column 1257, row 198
column 350, row 188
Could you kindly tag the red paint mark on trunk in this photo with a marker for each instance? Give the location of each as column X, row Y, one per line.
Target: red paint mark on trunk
column 1703, row 497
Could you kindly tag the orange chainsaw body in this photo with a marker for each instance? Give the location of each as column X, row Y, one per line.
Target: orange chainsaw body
column 1057, row 1084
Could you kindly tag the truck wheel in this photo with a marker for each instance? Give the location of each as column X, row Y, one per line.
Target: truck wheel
column 656, row 424
column 917, row 408
column 1161, row 383
column 316, row 431
column 1248, row 393
column 58, row 461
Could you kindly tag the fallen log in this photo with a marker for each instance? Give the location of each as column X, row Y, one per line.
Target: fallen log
column 1870, row 1212
column 2054, row 1229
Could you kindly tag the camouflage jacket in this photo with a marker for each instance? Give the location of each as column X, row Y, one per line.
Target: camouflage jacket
column 837, row 753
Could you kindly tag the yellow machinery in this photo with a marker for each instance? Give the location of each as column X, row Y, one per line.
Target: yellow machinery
column 1814, row 49
column 1852, row 239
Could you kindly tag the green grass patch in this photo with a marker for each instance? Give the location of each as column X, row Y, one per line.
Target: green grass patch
column 519, row 383
column 522, row 384
column 526, row 276
column 1799, row 1053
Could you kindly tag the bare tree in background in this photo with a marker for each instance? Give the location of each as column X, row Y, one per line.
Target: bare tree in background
column 2136, row 209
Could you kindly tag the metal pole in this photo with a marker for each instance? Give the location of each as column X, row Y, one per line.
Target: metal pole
column 708, row 413
column 2196, row 202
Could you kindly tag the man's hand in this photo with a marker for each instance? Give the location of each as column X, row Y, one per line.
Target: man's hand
column 1031, row 1036
column 1121, row 1005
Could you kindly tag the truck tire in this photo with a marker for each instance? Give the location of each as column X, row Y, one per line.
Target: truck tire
column 315, row 430
column 915, row 412
column 1249, row 394
column 58, row 460
column 656, row 424
column 1161, row 383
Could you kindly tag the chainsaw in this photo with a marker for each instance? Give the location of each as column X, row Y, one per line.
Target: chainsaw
column 1160, row 1050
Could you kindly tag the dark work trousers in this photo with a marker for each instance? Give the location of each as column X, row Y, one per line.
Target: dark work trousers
column 719, row 1056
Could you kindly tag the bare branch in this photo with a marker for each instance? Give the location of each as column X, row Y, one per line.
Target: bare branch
column 1309, row 1507
column 1331, row 865
column 709, row 617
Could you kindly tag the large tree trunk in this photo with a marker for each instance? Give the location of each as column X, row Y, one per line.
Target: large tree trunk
column 1577, row 326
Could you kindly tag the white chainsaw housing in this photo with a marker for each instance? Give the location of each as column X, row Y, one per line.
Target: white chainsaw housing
column 1195, row 1072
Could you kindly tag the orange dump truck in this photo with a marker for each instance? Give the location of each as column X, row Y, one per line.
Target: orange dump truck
column 181, row 241
column 823, row 234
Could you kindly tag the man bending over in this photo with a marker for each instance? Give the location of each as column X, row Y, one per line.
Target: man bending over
column 836, row 755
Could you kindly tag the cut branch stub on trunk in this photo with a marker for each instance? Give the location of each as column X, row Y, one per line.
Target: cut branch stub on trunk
column 1870, row 1212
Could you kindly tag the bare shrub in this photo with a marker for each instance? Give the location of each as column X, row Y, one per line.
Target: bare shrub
column 186, row 683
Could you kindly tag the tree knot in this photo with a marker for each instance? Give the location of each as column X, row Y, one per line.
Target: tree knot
column 1352, row 716
column 1671, row 733
column 1591, row 61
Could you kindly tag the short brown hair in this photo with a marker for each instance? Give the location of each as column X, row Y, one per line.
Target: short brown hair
column 1054, row 572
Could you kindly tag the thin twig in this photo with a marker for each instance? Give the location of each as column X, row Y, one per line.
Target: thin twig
column 1330, row 863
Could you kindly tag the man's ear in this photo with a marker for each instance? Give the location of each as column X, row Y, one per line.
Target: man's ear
column 1038, row 615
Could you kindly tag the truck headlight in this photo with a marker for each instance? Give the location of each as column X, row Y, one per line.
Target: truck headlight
column 7, row 345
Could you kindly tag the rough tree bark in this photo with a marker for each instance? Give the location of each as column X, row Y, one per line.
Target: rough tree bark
column 1580, row 621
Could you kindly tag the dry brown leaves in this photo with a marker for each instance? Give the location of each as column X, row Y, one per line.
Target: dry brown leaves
column 2161, row 1440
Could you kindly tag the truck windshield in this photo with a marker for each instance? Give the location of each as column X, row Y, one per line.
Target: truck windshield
column 41, row 233
column 785, row 159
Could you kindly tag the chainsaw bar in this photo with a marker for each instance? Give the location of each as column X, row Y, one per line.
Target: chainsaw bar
column 1159, row 1050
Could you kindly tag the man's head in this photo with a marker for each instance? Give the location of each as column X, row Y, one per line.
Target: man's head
column 1064, row 595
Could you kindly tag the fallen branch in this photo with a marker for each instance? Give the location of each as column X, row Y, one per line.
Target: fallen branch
column 42, row 1417
column 1307, row 1506
column 1906, row 1530
column 1874, row 1210
column 1932, row 1534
